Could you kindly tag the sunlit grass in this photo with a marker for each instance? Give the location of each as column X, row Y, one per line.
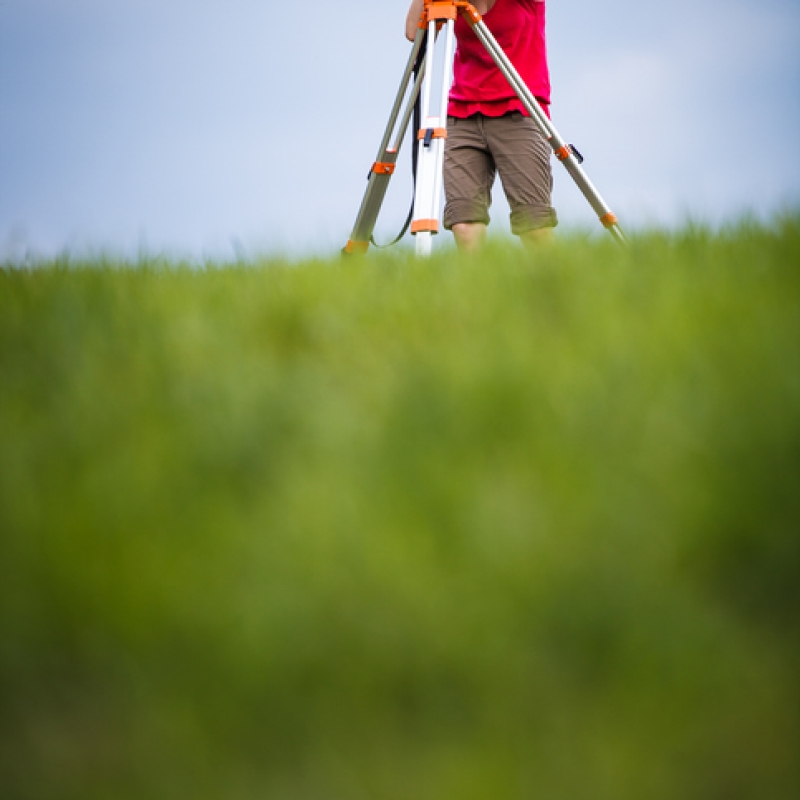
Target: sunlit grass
column 508, row 527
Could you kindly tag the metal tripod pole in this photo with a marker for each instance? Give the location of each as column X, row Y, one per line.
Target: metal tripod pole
column 564, row 152
column 433, row 134
column 384, row 165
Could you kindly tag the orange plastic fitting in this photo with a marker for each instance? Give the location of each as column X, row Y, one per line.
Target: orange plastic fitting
column 383, row 168
column 356, row 247
column 609, row 220
column 444, row 10
column 438, row 133
column 470, row 13
column 425, row 226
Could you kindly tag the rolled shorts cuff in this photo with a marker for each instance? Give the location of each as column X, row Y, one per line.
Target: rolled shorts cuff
column 532, row 218
column 464, row 212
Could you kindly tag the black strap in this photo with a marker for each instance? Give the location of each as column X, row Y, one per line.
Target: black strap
column 416, row 125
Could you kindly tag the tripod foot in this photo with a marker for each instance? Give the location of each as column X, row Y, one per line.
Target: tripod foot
column 355, row 248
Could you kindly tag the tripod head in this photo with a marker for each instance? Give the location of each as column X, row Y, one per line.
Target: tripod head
column 443, row 10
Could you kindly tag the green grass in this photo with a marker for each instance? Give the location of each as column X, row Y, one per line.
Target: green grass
column 461, row 529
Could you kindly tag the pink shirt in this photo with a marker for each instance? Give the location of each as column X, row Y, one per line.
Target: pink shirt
column 478, row 85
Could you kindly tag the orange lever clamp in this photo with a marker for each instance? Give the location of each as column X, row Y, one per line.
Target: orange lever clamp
column 427, row 134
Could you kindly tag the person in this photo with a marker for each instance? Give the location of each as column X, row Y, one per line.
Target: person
column 489, row 130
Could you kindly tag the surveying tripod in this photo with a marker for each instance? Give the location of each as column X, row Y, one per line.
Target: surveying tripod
column 439, row 16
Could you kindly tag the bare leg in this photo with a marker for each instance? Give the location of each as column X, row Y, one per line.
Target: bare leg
column 538, row 237
column 470, row 236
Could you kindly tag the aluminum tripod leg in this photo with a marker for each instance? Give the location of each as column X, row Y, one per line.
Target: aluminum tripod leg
column 384, row 166
column 430, row 163
column 563, row 151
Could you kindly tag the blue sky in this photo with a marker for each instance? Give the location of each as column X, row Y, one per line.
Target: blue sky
column 202, row 127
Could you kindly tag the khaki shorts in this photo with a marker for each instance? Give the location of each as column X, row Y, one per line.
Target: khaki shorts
column 479, row 147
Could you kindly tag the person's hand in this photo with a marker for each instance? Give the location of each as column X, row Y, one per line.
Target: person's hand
column 412, row 20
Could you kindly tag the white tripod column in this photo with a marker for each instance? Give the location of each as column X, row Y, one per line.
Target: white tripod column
column 427, row 202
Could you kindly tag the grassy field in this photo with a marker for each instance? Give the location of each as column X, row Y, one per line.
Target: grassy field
column 490, row 529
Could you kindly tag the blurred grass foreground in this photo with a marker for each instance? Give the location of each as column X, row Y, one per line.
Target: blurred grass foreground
column 508, row 527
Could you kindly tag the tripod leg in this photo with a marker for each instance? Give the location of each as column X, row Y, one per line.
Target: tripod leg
column 432, row 138
column 562, row 150
column 384, row 166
